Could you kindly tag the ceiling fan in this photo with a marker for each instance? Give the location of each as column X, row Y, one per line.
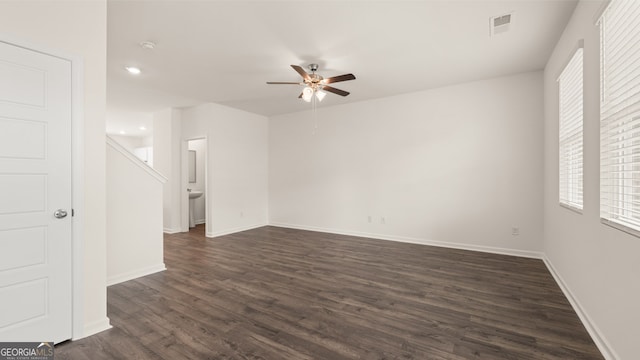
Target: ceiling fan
column 316, row 84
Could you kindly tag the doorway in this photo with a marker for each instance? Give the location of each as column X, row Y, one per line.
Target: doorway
column 195, row 180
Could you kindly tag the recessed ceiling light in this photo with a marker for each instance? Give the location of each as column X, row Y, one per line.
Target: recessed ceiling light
column 142, row 128
column 133, row 70
column 148, row 45
column 122, row 132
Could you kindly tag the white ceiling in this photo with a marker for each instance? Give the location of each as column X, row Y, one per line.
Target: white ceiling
column 225, row 51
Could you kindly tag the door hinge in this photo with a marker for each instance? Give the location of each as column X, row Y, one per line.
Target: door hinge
column 73, row 213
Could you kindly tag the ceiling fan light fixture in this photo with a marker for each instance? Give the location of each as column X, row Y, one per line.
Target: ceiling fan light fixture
column 320, row 94
column 307, row 93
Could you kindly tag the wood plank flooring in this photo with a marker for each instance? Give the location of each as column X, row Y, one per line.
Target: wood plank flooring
column 274, row 293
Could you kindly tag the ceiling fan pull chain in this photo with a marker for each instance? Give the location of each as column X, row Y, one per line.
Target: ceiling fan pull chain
column 315, row 115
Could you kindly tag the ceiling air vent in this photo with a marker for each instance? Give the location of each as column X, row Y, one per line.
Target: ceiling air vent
column 500, row 24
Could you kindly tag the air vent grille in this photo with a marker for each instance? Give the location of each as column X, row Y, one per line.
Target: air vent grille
column 500, row 24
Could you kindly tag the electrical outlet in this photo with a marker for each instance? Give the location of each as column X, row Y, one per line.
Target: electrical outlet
column 241, row 213
column 515, row 231
column 383, row 220
column 369, row 219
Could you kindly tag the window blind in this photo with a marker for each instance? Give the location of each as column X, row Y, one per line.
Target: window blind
column 620, row 114
column 570, row 135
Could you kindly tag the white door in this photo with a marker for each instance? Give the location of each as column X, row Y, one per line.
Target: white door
column 35, row 181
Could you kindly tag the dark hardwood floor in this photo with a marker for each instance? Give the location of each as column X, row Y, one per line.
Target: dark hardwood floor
column 274, row 293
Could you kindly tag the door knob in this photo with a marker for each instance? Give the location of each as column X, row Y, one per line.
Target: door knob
column 60, row 213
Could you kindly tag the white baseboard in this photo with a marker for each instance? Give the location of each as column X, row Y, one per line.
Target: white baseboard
column 94, row 328
column 171, row 230
column 130, row 275
column 480, row 248
column 600, row 341
column 202, row 221
column 234, row 230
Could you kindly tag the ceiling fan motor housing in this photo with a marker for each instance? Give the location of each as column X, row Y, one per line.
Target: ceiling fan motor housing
column 315, row 78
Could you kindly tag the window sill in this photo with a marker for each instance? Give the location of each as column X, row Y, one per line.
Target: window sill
column 569, row 207
column 620, row 227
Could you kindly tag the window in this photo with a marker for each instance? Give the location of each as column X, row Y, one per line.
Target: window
column 570, row 86
column 620, row 114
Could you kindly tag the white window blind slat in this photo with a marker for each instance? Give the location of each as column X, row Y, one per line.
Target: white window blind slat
column 619, row 11
column 620, row 114
column 570, row 84
column 621, row 84
column 623, row 49
column 625, row 30
column 620, row 120
column 625, row 22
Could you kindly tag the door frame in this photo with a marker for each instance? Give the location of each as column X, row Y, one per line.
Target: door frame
column 77, row 175
column 184, row 175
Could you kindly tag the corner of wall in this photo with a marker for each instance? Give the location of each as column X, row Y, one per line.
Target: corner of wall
column 95, row 327
column 596, row 334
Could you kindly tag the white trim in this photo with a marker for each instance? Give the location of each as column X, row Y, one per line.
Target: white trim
column 618, row 226
column 571, row 208
column 77, row 166
column 112, row 280
column 184, row 185
column 598, row 337
column 235, row 230
column 171, row 230
column 410, row 240
column 598, row 15
column 184, row 179
column 579, row 45
column 96, row 327
column 201, row 221
column 135, row 160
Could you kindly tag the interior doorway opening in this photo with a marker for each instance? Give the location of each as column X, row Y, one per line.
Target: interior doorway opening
column 196, row 184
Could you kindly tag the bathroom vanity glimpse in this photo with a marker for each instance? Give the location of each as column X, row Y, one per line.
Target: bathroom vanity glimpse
column 195, row 180
column 193, row 195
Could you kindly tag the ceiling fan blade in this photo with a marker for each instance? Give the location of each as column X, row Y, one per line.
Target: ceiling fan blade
column 335, row 91
column 301, row 71
column 282, row 83
column 339, row 78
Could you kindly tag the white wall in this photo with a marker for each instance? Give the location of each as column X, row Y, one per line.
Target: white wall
column 132, row 142
column 134, row 216
column 166, row 159
column 78, row 28
column 141, row 146
column 237, row 165
column 598, row 264
column 457, row 166
column 200, row 147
